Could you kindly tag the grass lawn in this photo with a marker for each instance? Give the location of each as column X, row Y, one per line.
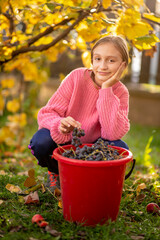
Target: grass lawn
column 133, row 221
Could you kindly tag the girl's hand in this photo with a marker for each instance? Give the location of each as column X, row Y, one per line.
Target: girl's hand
column 68, row 124
column 116, row 77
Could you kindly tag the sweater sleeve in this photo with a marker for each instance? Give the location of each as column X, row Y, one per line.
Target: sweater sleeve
column 50, row 115
column 112, row 107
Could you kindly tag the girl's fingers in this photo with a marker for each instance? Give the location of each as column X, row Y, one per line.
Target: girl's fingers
column 120, row 69
column 69, row 121
column 68, row 124
column 115, row 77
column 62, row 129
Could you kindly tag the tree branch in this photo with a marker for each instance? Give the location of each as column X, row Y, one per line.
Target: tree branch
column 44, row 47
column 47, row 31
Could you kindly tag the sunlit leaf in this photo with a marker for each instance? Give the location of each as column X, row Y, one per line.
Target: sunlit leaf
column 1, row 103
column 7, row 82
column 57, row 192
column 146, row 42
column 20, row 119
column 12, row 188
column 81, row 43
column 86, row 59
column 13, row 105
column 140, row 187
column 6, row 134
column 60, row 204
column 134, row 2
column 151, row 51
column 151, row 16
column 32, row 198
column 30, row 181
column 106, row 3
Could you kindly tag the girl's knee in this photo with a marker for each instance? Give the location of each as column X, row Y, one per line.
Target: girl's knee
column 120, row 143
column 41, row 142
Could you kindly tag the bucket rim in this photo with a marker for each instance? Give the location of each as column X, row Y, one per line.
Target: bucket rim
column 77, row 162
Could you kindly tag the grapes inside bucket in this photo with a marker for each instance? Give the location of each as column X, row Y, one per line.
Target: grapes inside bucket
column 91, row 178
column 99, row 151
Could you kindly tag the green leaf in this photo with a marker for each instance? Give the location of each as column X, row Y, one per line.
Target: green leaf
column 51, row 6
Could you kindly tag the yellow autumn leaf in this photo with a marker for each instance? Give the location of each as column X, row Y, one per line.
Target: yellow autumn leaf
column 3, row 5
column 1, row 103
column 35, row 113
column 93, row 3
column 106, row 3
column 13, row 105
column 7, row 51
column 24, row 64
column 30, row 180
column 90, row 34
column 60, row 204
column 134, row 2
column 140, row 187
column 6, row 134
column 53, row 18
column 86, row 59
column 146, row 42
column 81, row 43
column 152, row 17
column 130, row 19
column 44, row 40
column 61, row 76
column 13, row 189
column 7, row 82
column 138, row 29
column 20, row 119
column 52, row 54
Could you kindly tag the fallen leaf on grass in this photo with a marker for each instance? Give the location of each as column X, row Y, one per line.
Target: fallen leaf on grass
column 31, row 238
column 15, row 229
column 1, row 201
column 57, row 192
column 82, row 233
column 12, row 188
column 23, row 173
column 140, row 198
column 33, row 189
column 32, row 198
column 53, row 232
column 43, row 188
column 30, row 181
column 137, row 237
column 140, row 187
column 2, row 172
column 60, row 205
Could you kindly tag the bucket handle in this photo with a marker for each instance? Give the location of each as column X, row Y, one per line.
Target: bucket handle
column 130, row 172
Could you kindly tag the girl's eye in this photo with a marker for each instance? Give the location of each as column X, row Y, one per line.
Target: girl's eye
column 97, row 58
column 111, row 60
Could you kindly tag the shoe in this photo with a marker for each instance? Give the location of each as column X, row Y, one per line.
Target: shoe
column 52, row 181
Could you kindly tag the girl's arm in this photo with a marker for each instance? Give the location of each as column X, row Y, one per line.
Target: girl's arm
column 112, row 107
column 51, row 115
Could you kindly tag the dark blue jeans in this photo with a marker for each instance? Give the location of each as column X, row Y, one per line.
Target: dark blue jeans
column 42, row 146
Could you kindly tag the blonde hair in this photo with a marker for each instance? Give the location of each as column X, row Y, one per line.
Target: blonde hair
column 118, row 42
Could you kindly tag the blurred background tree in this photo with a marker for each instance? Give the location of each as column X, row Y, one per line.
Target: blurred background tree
column 34, row 33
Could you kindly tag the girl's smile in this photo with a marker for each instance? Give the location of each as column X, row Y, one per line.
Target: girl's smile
column 106, row 61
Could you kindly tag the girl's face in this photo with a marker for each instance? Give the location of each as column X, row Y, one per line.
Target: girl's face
column 106, row 61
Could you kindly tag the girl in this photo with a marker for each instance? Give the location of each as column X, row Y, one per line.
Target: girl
column 92, row 99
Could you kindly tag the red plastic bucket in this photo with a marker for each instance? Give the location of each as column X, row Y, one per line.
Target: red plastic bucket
column 91, row 190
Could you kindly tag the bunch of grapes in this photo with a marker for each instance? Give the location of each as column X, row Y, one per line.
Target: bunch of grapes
column 76, row 134
column 99, row 151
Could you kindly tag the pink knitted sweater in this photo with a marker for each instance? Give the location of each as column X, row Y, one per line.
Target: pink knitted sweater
column 102, row 112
